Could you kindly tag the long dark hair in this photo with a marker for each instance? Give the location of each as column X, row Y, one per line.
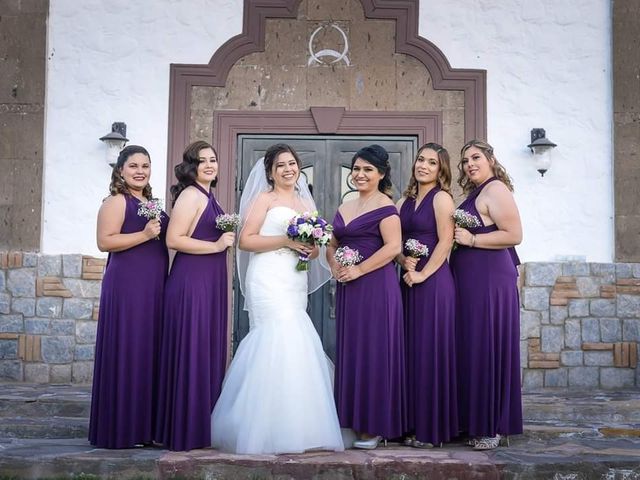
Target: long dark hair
column 187, row 171
column 444, row 173
column 270, row 157
column 118, row 185
column 498, row 169
column 379, row 158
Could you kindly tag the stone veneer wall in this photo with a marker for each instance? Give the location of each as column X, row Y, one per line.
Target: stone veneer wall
column 580, row 324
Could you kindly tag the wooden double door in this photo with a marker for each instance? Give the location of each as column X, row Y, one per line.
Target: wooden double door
column 326, row 165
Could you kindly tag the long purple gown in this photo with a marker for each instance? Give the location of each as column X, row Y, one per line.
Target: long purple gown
column 369, row 376
column 488, row 334
column 194, row 340
column 429, row 316
column 128, row 340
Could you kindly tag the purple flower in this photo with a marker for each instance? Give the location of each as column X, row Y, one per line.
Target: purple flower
column 301, row 220
column 292, row 231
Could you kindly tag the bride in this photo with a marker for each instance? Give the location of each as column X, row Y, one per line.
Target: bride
column 277, row 396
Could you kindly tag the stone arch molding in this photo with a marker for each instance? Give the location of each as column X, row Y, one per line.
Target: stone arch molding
column 252, row 39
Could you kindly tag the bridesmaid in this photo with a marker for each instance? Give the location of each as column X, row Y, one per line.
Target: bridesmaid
column 194, row 337
column 488, row 308
column 428, row 295
column 126, row 359
column 369, row 376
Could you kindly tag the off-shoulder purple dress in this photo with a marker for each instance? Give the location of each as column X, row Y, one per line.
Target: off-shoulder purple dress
column 128, row 340
column 429, row 320
column 194, row 340
column 369, row 378
column 488, row 334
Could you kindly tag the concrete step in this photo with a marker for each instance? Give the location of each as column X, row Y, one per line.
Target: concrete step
column 27, row 400
column 44, row 427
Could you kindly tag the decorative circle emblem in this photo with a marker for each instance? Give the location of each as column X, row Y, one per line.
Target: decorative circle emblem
column 318, row 57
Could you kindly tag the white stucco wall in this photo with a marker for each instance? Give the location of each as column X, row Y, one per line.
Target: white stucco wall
column 548, row 64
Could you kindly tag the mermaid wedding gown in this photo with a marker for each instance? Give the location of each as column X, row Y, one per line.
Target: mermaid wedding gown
column 277, row 396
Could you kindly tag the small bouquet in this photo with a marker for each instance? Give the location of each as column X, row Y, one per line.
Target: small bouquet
column 309, row 227
column 347, row 257
column 464, row 220
column 151, row 209
column 227, row 222
column 415, row 248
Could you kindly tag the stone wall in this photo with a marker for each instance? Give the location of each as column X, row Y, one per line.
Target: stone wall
column 580, row 324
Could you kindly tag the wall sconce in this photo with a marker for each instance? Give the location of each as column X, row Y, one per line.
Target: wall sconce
column 541, row 148
column 116, row 139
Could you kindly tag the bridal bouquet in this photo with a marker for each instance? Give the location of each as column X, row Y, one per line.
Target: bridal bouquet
column 151, row 209
column 347, row 257
column 308, row 227
column 415, row 248
column 464, row 220
column 227, row 222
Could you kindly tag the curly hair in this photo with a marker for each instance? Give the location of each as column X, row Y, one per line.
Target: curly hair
column 444, row 172
column 271, row 155
column 498, row 169
column 377, row 156
column 187, row 171
column 118, row 185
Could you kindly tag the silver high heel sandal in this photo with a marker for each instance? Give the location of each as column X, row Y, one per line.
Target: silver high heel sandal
column 419, row 444
column 370, row 443
column 489, row 443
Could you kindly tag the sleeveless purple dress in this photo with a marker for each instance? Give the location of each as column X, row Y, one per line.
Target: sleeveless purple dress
column 125, row 369
column 369, row 376
column 488, row 334
column 194, row 340
column 429, row 316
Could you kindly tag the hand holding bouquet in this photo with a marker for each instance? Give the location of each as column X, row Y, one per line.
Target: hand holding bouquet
column 464, row 220
column 347, row 257
column 228, row 222
column 415, row 248
column 308, row 227
column 151, row 209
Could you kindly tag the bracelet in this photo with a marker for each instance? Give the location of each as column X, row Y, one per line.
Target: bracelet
column 473, row 241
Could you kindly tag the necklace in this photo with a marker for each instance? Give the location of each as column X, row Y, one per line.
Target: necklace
column 360, row 207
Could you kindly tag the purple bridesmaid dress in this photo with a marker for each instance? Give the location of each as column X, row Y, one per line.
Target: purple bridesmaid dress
column 429, row 316
column 194, row 340
column 369, row 376
column 488, row 334
column 128, row 339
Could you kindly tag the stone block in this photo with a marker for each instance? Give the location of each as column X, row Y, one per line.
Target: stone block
column 36, row 373
column 630, row 330
column 535, row 298
column 610, row 330
column 540, row 274
column 602, row 307
column 617, row 378
column 608, row 291
column 58, row 349
column 84, row 352
column 588, row 286
column 11, row 370
column 25, row 306
column 571, row 358
column 544, row 317
column 29, row 259
column 72, row 266
column 624, row 270
column 558, row 314
column 557, row 377
column 605, row 270
column 11, row 323
column 50, row 266
column 21, row 282
column 628, row 306
column 36, row 326
column 579, row 308
column 63, row 327
column 83, row 288
column 551, row 338
column 50, row 307
column 598, row 358
column 78, row 308
column 524, row 353
column 82, row 372
column 8, row 349
column 51, row 287
column 86, row 332
column 573, row 334
column 5, row 303
column 575, row 269
column 529, row 324
column 584, row 377
column 597, row 346
column 3, row 281
column 60, row 374
column 533, row 379
column 29, row 348
column 93, row 268
column 625, row 354
column 590, row 330
column 636, row 270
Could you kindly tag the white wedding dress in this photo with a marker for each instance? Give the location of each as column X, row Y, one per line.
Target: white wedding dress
column 277, row 396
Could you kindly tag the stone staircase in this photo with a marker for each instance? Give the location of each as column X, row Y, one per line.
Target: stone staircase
column 568, row 435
